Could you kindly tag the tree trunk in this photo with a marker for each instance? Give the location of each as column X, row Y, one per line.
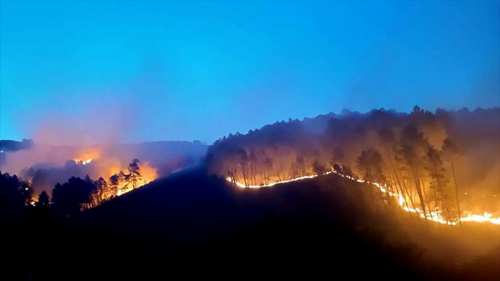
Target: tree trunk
column 416, row 178
column 399, row 184
column 456, row 192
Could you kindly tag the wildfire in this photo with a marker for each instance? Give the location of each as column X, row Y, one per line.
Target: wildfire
column 136, row 175
column 83, row 162
column 86, row 156
column 242, row 185
column 147, row 174
column 115, row 178
column 483, row 218
column 434, row 216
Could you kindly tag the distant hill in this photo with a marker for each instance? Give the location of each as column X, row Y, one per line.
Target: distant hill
column 12, row 145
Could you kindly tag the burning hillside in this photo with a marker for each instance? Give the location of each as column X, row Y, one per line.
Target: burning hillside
column 111, row 170
column 87, row 156
column 422, row 161
column 125, row 177
column 134, row 176
column 106, row 177
column 392, row 192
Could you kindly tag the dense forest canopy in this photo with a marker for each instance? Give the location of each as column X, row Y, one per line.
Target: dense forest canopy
column 443, row 160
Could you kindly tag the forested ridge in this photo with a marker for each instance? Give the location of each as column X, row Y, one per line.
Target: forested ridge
column 442, row 161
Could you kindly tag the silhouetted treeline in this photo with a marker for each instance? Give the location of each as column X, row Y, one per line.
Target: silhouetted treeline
column 78, row 194
column 68, row 198
column 44, row 165
column 428, row 157
column 14, row 196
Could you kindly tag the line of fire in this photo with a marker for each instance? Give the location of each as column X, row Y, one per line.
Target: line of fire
column 428, row 163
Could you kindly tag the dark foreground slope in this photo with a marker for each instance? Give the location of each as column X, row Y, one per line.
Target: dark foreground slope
column 193, row 224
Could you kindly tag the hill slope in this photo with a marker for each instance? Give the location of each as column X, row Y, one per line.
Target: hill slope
column 325, row 224
column 191, row 223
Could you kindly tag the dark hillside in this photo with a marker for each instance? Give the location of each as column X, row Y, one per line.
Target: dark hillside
column 196, row 221
column 194, row 224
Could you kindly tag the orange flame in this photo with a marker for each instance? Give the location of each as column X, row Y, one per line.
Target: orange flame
column 434, row 216
column 87, row 155
column 148, row 174
column 106, row 167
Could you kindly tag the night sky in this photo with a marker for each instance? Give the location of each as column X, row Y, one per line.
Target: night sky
column 172, row 70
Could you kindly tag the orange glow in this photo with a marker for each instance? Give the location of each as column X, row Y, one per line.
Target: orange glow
column 147, row 175
column 104, row 166
column 148, row 172
column 87, row 155
column 483, row 218
column 109, row 168
column 434, row 216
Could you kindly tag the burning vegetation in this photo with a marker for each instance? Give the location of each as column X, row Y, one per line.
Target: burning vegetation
column 422, row 160
column 88, row 193
column 68, row 179
column 86, row 156
column 89, row 179
column 112, row 179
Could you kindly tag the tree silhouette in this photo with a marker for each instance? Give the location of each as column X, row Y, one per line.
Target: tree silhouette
column 14, row 196
column 439, row 183
column 69, row 198
column 450, row 152
column 134, row 172
column 319, row 168
column 43, row 200
column 102, row 192
column 390, row 147
column 410, row 152
column 114, row 182
column 370, row 163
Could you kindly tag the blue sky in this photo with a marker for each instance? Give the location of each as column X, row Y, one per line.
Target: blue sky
column 203, row 69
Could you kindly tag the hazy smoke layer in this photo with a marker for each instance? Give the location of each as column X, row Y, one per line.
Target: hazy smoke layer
column 428, row 150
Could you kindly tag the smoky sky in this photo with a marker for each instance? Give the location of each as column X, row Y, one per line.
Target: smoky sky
column 114, row 71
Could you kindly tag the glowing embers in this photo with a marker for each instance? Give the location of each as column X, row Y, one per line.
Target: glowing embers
column 242, row 185
column 483, row 218
column 86, row 156
column 83, row 162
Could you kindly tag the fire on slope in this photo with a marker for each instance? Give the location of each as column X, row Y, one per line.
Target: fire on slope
column 435, row 216
column 113, row 178
column 86, row 156
column 135, row 176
